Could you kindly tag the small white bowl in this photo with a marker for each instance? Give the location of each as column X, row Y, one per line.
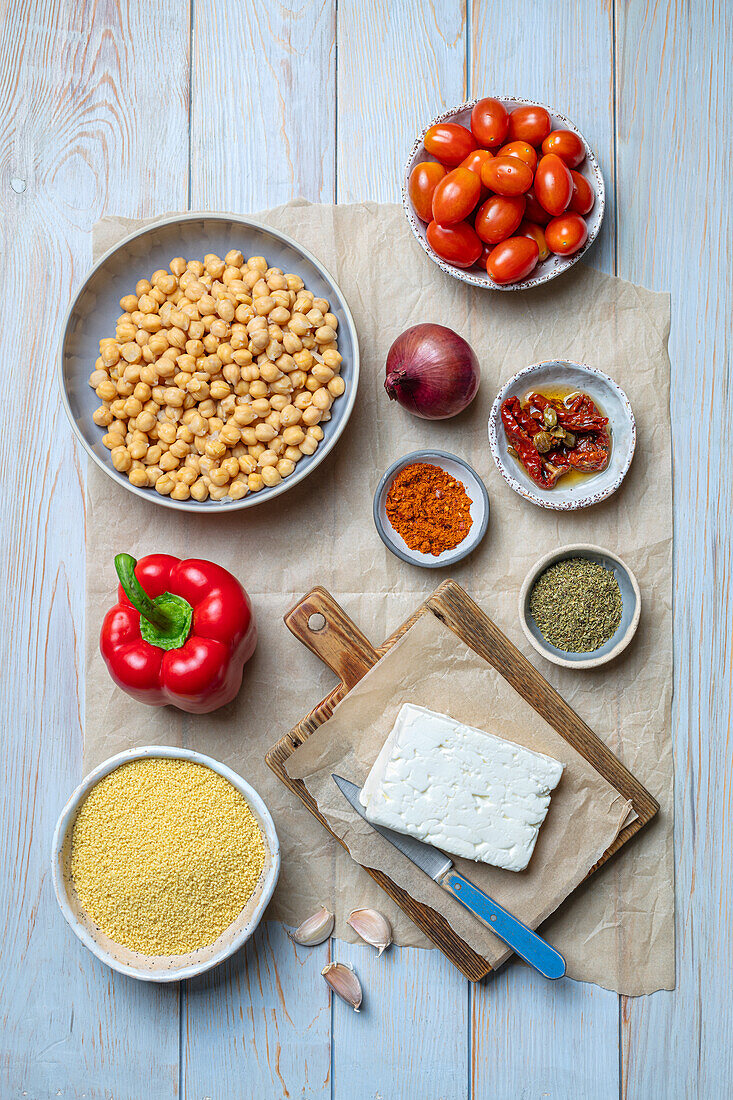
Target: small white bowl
column 630, row 596
column 555, row 374
column 161, row 968
column 479, row 510
column 553, row 265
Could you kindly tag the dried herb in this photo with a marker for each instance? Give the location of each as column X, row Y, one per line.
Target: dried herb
column 577, row 605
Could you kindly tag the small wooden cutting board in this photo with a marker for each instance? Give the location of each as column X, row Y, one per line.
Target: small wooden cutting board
column 325, row 628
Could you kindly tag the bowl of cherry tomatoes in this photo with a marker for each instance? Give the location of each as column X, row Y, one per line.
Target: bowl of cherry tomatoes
column 503, row 193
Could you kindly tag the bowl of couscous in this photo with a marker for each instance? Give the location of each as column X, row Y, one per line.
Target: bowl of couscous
column 163, row 862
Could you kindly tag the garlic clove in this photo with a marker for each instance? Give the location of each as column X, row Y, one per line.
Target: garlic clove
column 314, row 929
column 344, row 982
column 372, row 926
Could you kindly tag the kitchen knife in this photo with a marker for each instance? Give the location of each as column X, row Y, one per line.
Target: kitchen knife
column 439, row 867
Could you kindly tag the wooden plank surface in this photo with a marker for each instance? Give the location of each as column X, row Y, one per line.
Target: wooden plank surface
column 674, row 64
column 323, row 100
column 79, row 89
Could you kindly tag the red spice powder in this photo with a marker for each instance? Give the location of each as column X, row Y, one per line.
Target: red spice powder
column 429, row 508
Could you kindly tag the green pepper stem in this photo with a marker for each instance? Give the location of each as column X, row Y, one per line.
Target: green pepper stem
column 138, row 597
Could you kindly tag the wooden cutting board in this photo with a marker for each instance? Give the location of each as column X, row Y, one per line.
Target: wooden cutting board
column 325, row 628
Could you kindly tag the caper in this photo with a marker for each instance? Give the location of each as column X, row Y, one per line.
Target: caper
column 543, row 442
column 570, row 439
column 549, row 416
column 558, row 433
column 511, row 451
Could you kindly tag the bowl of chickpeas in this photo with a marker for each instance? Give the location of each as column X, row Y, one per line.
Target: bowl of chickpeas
column 209, row 362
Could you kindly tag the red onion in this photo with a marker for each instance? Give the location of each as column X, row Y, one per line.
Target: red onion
column 432, row 372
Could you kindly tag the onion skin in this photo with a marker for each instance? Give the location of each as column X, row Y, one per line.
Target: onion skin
column 432, row 371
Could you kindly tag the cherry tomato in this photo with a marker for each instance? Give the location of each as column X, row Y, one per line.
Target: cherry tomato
column 455, row 196
column 498, row 217
column 458, row 244
column 536, row 233
column 512, row 260
column 489, row 122
column 424, row 178
column 531, row 124
column 485, row 253
column 583, row 196
column 534, row 212
column 475, row 160
column 449, row 143
column 507, row 176
column 566, row 234
column 553, row 184
column 521, row 150
column 567, row 145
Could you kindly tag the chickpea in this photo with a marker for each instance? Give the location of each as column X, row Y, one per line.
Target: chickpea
column 154, row 455
column 270, row 476
column 255, row 482
column 179, row 449
column 219, row 390
column 199, row 490
column 303, row 400
column 102, row 416
column 112, row 440
column 314, row 432
column 166, row 433
column 312, row 384
column 270, row 372
column 308, row 446
column 138, row 449
column 214, row 449
column 131, row 352
column 267, row 458
column 311, row 416
column 325, row 335
column 121, row 458
column 290, row 415
column 294, row 454
column 138, row 478
column 293, row 436
column 265, row 432
column 321, row 373
column 322, row 400
column 256, row 450
column 336, row 386
column 165, row 485
column 186, row 475
column 230, row 434
column 173, row 396
column 285, row 467
column 332, row 359
column 247, row 464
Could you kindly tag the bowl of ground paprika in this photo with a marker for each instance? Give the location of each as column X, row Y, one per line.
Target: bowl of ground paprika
column 431, row 509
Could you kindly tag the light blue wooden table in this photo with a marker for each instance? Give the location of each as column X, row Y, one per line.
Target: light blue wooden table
column 136, row 109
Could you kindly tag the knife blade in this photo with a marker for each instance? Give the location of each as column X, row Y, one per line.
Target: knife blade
column 439, row 867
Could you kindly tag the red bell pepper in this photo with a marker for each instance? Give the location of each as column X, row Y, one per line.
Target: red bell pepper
column 180, row 634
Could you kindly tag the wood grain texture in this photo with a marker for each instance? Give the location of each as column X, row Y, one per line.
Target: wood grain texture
column 409, row 1041
column 674, row 64
column 95, row 120
column 561, row 53
column 263, row 103
column 79, row 136
column 399, row 64
column 260, row 1025
column 343, row 646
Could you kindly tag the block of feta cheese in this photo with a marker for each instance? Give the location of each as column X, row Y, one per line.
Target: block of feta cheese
column 460, row 789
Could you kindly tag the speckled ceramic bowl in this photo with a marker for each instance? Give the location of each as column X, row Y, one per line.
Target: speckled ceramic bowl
column 96, row 307
column 558, row 374
column 475, row 489
column 161, row 968
column 553, row 265
column 630, row 596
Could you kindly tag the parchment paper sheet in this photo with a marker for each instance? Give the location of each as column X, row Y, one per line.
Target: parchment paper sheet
column 431, row 666
column 618, row 929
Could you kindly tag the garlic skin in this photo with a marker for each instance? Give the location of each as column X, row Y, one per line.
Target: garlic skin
column 372, row 926
column 344, row 983
column 314, row 929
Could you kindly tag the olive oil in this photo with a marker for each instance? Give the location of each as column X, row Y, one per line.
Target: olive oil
column 572, row 478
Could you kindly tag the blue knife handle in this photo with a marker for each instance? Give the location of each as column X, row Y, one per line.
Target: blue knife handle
column 520, row 938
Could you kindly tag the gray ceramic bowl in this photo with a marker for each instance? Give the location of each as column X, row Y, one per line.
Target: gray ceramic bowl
column 96, row 307
column 553, row 265
column 557, row 374
column 475, row 489
column 630, row 595
column 161, row 968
